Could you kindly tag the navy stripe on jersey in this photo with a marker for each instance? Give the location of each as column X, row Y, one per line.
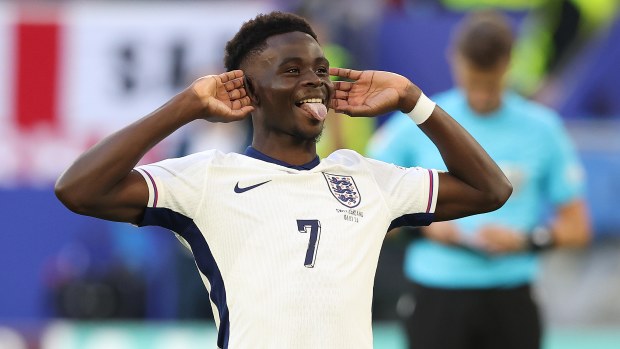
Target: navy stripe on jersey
column 185, row 227
column 253, row 153
column 412, row 220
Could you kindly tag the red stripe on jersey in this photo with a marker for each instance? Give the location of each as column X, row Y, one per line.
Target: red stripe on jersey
column 430, row 191
column 37, row 59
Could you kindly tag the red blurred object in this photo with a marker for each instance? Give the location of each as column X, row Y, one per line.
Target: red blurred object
column 37, row 63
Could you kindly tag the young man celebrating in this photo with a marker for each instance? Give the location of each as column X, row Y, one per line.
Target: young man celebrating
column 286, row 243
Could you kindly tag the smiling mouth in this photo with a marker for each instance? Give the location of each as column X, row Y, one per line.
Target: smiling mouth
column 313, row 106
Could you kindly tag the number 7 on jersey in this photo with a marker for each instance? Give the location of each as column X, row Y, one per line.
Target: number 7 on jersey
column 312, row 226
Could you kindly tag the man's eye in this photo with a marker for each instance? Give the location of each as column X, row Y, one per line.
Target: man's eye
column 322, row 71
column 292, row 70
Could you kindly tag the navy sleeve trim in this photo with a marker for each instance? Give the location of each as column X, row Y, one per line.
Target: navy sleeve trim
column 413, row 220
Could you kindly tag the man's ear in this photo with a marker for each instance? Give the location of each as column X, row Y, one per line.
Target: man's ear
column 249, row 89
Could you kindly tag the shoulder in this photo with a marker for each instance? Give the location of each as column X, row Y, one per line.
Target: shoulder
column 196, row 160
column 346, row 157
column 353, row 160
column 357, row 162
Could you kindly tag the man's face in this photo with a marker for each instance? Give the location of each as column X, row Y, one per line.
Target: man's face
column 483, row 87
column 289, row 73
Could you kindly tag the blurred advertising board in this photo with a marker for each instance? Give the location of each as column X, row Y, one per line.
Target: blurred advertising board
column 77, row 71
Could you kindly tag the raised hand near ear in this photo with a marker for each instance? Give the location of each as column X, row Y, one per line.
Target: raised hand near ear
column 372, row 92
column 223, row 97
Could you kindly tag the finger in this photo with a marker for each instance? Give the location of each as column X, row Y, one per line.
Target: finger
column 337, row 104
column 341, row 95
column 242, row 92
column 242, row 113
column 236, row 94
column 341, row 106
column 231, row 75
column 245, row 101
column 241, row 103
column 352, row 110
column 345, row 73
column 233, row 84
column 343, row 85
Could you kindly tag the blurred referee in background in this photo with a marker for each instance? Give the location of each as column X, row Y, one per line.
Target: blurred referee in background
column 471, row 277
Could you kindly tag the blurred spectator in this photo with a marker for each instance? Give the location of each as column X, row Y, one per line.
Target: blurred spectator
column 587, row 85
column 553, row 32
column 89, row 281
column 471, row 278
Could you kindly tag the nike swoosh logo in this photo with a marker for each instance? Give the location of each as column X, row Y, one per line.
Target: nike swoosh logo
column 240, row 190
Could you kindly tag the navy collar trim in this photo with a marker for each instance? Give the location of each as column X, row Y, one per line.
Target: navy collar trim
column 253, row 153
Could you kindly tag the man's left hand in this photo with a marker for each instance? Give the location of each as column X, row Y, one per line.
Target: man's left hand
column 372, row 92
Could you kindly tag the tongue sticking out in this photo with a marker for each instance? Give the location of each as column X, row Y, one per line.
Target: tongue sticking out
column 317, row 110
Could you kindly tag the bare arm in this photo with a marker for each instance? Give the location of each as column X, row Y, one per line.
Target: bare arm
column 102, row 183
column 473, row 184
column 570, row 228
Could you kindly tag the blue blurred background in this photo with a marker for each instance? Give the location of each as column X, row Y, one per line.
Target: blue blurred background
column 74, row 71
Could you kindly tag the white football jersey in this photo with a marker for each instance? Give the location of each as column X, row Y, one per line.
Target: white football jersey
column 288, row 256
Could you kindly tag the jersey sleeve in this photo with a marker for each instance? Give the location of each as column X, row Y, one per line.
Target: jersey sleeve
column 175, row 185
column 565, row 176
column 409, row 193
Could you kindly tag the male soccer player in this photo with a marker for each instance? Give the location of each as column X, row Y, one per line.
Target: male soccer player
column 286, row 243
column 471, row 277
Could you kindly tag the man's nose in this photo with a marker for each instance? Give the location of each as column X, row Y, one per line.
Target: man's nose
column 311, row 78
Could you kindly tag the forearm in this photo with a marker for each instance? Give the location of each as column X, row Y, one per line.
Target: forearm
column 100, row 169
column 469, row 164
column 464, row 158
column 571, row 226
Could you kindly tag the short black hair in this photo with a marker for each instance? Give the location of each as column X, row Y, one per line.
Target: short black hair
column 484, row 38
column 252, row 36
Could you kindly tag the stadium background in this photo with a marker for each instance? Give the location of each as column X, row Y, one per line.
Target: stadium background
column 74, row 71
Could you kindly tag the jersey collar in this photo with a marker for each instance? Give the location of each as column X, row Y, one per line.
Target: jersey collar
column 253, row 153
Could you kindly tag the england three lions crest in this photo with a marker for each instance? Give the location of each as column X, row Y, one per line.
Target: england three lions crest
column 344, row 189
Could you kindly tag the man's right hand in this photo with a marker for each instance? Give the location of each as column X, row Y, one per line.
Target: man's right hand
column 223, row 97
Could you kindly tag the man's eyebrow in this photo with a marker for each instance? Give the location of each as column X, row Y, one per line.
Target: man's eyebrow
column 290, row 59
column 322, row 60
column 299, row 59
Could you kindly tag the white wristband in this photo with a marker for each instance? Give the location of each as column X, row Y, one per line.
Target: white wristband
column 423, row 109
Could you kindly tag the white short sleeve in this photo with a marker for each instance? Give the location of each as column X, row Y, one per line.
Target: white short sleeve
column 406, row 190
column 178, row 183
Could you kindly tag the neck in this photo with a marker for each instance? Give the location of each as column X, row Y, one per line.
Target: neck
column 292, row 152
column 489, row 109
